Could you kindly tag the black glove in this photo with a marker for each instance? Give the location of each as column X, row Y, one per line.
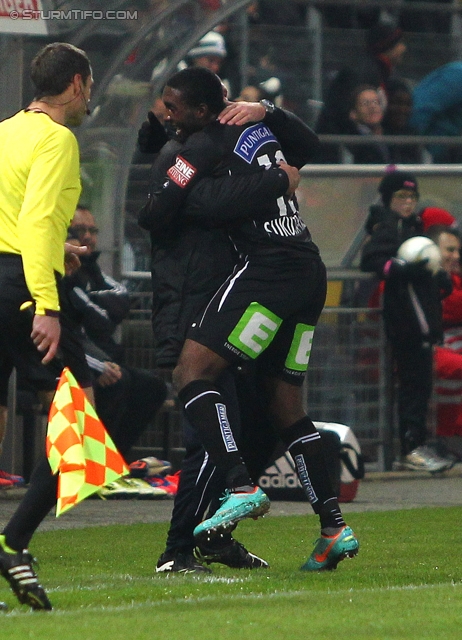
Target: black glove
column 410, row 270
column 152, row 135
column 444, row 283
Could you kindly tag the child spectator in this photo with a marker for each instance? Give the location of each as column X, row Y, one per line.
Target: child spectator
column 412, row 313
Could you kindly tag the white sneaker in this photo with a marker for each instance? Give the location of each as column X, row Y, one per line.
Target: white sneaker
column 425, row 459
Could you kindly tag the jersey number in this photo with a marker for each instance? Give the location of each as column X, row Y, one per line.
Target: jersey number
column 264, row 161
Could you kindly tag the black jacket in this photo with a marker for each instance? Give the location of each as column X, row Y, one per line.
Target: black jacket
column 191, row 252
column 100, row 302
column 244, row 152
column 388, row 232
column 412, row 308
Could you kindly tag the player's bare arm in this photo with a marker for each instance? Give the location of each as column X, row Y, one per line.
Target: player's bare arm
column 242, row 112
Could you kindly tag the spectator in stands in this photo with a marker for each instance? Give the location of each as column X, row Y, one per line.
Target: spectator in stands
column 448, row 358
column 127, row 398
column 105, row 302
column 384, row 51
column 396, row 122
column 209, row 52
column 411, row 311
column 266, row 74
column 432, row 216
column 365, row 119
column 437, row 109
column 253, row 93
column 231, row 67
column 250, row 93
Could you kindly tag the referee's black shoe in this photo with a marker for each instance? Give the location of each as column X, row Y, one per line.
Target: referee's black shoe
column 16, row 567
column 230, row 552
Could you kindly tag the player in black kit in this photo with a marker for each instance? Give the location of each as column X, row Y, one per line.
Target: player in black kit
column 267, row 309
column 190, row 259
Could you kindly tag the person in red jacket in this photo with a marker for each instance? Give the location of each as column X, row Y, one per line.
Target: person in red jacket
column 448, row 358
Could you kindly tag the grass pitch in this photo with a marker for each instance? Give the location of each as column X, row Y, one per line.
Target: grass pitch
column 405, row 583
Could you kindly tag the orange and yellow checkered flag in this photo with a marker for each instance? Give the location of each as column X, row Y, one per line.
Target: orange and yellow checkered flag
column 78, row 446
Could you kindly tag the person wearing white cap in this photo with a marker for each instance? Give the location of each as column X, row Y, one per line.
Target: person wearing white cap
column 209, row 52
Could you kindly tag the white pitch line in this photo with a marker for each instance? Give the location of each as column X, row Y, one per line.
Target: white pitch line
column 279, row 595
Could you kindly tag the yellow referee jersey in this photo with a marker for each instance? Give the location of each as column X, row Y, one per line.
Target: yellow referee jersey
column 39, row 191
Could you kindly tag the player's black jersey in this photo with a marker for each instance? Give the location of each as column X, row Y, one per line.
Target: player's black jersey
column 239, row 150
column 250, row 149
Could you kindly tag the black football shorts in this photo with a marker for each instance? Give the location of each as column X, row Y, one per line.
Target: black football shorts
column 16, row 347
column 268, row 308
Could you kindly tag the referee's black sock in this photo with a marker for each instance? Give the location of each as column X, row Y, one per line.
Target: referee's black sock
column 305, row 446
column 34, row 507
column 205, row 408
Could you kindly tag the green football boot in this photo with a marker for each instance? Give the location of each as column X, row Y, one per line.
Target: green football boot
column 330, row 550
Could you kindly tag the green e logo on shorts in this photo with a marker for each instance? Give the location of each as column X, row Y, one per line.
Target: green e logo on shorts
column 255, row 330
column 300, row 349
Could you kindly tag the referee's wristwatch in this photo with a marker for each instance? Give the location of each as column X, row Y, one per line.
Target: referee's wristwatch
column 268, row 105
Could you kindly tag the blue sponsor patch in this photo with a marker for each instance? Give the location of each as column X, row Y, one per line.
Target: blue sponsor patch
column 251, row 140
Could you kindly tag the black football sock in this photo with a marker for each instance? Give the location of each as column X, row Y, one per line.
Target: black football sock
column 305, row 446
column 205, row 408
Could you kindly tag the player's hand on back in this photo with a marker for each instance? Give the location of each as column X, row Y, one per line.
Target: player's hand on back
column 294, row 177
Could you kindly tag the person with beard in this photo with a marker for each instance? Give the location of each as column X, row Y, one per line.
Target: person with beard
column 127, row 398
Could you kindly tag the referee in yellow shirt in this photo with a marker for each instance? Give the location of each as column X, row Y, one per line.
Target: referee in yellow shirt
column 39, row 191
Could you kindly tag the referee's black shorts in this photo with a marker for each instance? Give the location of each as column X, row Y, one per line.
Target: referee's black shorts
column 268, row 309
column 16, row 347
